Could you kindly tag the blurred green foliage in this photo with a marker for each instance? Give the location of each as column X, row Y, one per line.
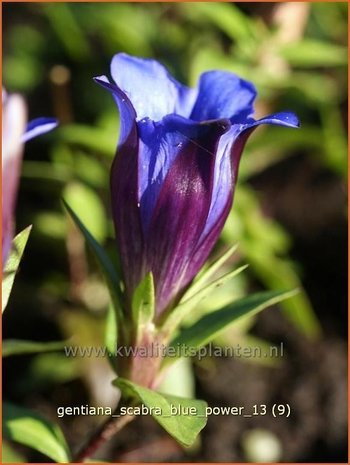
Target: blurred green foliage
column 54, row 50
column 297, row 59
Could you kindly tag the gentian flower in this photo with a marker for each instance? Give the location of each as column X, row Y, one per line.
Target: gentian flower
column 14, row 134
column 175, row 171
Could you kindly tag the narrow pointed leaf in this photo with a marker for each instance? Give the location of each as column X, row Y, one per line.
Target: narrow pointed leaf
column 208, row 327
column 103, row 260
column 20, row 347
column 182, row 427
column 26, row 427
column 177, row 315
column 12, row 264
column 206, row 274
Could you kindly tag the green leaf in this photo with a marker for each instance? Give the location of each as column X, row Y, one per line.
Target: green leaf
column 177, row 314
column 42, row 172
column 50, row 369
column 227, row 17
column 181, row 426
column 208, row 327
column 105, row 263
column 19, row 347
column 10, row 455
column 311, row 53
column 68, row 30
column 143, row 302
column 50, row 224
column 264, row 244
column 12, row 264
column 202, row 293
column 204, row 276
column 334, row 139
column 28, row 428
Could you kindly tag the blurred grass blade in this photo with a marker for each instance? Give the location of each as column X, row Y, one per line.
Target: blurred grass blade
column 311, row 53
column 10, row 455
column 334, row 140
column 97, row 140
column 20, row 347
column 105, row 263
column 68, row 30
column 227, row 17
column 26, row 427
column 12, row 264
column 93, row 218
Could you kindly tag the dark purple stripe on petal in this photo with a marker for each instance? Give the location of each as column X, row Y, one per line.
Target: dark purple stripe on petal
column 211, row 235
column 207, row 242
column 124, row 191
column 159, row 146
column 182, row 206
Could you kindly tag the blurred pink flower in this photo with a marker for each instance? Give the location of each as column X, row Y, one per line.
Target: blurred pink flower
column 14, row 134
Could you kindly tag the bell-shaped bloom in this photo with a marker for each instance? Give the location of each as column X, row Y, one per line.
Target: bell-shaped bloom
column 175, row 171
column 15, row 132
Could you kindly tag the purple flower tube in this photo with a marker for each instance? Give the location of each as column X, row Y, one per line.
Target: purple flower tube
column 175, row 171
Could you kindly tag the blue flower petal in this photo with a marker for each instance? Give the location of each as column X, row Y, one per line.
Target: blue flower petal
column 38, row 126
column 283, row 118
column 223, row 95
column 153, row 92
column 228, row 157
column 225, row 176
column 223, row 180
column 126, row 109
